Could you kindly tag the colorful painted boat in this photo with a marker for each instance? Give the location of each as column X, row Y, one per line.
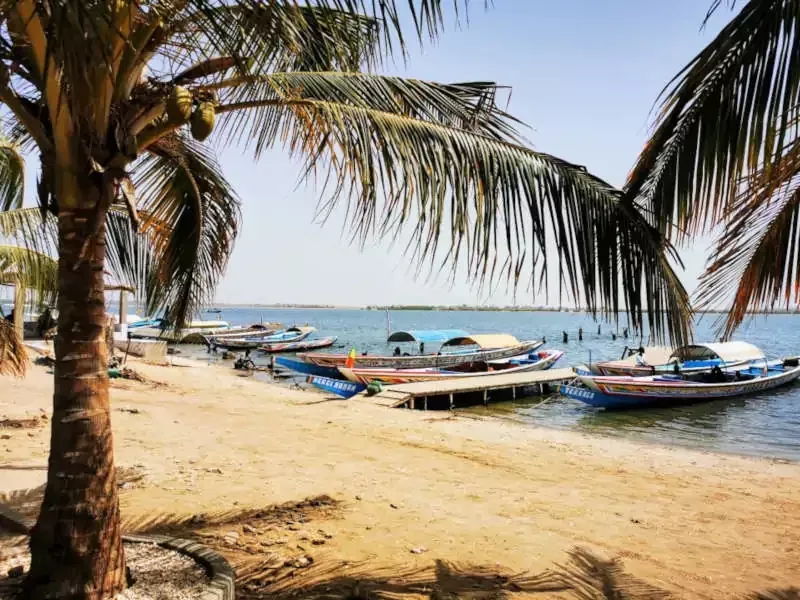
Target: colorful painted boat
column 293, row 364
column 293, row 334
column 252, row 331
column 345, row 389
column 534, row 361
column 660, row 390
column 694, row 358
column 298, row 346
column 453, row 353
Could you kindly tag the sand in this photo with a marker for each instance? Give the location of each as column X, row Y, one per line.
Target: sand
column 408, row 488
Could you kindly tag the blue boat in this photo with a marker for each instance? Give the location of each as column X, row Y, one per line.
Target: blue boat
column 345, row 389
column 145, row 323
column 616, row 392
column 306, row 368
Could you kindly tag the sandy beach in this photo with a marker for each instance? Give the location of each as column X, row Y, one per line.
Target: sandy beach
column 204, row 449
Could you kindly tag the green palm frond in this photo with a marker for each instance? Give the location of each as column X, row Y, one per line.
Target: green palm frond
column 30, row 269
column 256, row 104
column 265, row 37
column 193, row 217
column 12, row 176
column 725, row 115
column 493, row 197
column 13, row 356
column 758, row 253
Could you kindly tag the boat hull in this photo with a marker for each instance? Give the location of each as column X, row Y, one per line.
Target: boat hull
column 297, row 346
column 307, row 368
column 345, row 389
column 421, row 361
column 367, row 375
column 637, row 392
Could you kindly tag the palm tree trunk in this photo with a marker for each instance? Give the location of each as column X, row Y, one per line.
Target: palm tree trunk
column 76, row 546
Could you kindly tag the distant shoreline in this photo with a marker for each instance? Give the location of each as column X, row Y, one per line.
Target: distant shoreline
column 457, row 308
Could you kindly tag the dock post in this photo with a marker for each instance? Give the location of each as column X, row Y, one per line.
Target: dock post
column 451, row 402
column 486, row 397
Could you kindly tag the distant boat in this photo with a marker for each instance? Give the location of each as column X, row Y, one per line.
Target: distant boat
column 534, row 361
column 667, row 390
column 489, row 347
column 298, row 346
column 694, row 358
column 251, row 342
column 306, row 368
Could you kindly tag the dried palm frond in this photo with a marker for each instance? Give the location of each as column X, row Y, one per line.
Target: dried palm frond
column 13, row 356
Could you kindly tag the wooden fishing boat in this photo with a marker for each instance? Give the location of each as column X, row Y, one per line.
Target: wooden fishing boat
column 293, row 334
column 694, row 358
column 345, row 389
column 617, row 392
column 426, row 336
column 306, row 368
column 298, row 346
column 252, row 331
column 456, row 351
column 534, row 361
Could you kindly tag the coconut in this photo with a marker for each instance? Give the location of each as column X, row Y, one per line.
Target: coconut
column 179, row 105
column 203, row 119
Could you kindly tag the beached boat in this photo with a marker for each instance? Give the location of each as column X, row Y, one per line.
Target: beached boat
column 345, row 389
column 694, row 358
column 298, row 346
column 616, row 392
column 455, row 351
column 306, row 368
column 533, row 361
column 189, row 334
column 293, row 334
column 252, row 331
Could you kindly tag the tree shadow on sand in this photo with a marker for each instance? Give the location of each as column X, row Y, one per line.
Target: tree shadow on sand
column 280, row 573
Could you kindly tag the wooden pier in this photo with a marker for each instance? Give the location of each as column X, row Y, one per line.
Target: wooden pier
column 410, row 394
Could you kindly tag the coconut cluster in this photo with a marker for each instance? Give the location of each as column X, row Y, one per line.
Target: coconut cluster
column 182, row 108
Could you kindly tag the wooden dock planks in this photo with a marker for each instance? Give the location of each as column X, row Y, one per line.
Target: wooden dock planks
column 399, row 395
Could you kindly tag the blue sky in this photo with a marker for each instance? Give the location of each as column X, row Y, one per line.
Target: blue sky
column 584, row 75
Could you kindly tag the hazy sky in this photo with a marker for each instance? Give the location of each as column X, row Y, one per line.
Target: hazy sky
column 584, row 75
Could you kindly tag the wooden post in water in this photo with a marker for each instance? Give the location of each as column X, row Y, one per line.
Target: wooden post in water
column 486, row 397
column 514, row 393
column 451, row 402
column 425, row 403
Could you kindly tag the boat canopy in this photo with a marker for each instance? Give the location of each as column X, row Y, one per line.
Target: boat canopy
column 494, row 340
column 304, row 329
column 428, row 336
column 726, row 351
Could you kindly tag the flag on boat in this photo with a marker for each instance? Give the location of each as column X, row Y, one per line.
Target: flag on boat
column 351, row 359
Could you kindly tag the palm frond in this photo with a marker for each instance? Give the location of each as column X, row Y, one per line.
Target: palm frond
column 725, row 113
column 252, row 113
column 758, row 253
column 13, row 356
column 30, row 269
column 12, row 176
column 499, row 198
column 192, row 220
column 279, row 36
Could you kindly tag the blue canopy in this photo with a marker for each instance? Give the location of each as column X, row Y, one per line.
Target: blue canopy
column 429, row 336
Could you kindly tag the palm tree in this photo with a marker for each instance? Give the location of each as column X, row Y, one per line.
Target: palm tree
column 725, row 155
column 117, row 97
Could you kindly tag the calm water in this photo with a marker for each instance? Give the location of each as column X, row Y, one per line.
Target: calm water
column 766, row 424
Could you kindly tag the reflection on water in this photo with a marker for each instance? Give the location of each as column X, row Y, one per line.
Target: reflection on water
column 766, row 424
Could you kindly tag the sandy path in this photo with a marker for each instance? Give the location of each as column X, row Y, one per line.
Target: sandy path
column 476, row 492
